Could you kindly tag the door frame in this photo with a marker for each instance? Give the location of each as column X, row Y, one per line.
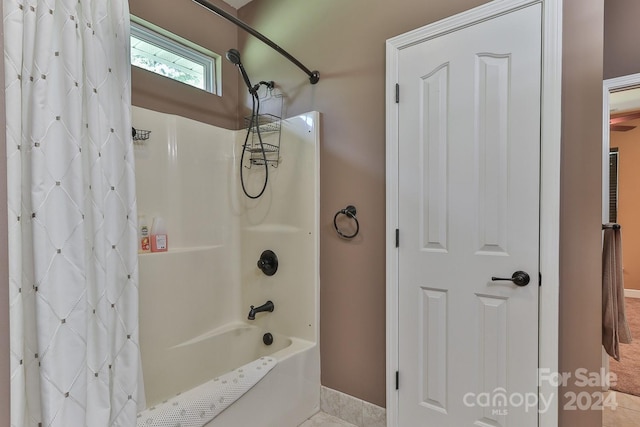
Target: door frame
column 549, row 185
column 608, row 87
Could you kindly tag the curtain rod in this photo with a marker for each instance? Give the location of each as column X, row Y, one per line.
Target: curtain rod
column 314, row 76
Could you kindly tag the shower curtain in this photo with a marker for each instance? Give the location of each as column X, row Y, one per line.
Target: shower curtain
column 72, row 214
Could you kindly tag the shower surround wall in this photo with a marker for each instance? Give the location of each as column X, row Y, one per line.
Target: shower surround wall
column 187, row 172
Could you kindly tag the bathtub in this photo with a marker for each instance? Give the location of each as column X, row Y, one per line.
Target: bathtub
column 286, row 396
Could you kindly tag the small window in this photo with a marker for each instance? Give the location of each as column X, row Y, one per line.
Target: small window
column 168, row 55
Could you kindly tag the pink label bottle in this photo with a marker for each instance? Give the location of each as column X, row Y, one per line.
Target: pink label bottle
column 159, row 238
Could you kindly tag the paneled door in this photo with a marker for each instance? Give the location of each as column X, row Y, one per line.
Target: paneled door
column 468, row 216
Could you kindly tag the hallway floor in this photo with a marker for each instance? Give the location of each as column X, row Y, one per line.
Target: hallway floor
column 626, row 414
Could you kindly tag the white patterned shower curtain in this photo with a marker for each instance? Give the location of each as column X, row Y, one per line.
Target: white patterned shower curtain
column 72, row 214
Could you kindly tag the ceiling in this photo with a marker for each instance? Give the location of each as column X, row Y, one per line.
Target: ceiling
column 237, row 3
column 624, row 101
column 624, row 110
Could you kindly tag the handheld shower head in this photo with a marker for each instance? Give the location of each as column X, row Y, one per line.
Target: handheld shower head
column 234, row 57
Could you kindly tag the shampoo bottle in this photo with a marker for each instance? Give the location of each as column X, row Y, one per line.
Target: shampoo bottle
column 144, row 235
column 159, row 240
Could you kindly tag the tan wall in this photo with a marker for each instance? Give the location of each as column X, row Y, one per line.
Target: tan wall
column 350, row 95
column 347, row 46
column 621, row 47
column 191, row 21
column 628, row 144
column 580, row 221
column 345, row 41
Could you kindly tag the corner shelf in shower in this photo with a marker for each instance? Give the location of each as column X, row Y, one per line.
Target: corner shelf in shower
column 268, row 127
column 181, row 250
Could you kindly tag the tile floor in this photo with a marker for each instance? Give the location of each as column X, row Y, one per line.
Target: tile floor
column 354, row 411
column 325, row 420
column 626, row 414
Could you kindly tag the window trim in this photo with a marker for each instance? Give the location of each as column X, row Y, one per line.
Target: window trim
column 177, row 45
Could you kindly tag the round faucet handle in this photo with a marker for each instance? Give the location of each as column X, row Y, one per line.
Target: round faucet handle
column 268, row 262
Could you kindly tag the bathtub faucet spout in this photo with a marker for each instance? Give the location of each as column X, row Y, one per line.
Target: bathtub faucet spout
column 267, row 306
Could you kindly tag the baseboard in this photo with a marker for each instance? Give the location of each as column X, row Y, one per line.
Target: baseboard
column 351, row 409
column 632, row 293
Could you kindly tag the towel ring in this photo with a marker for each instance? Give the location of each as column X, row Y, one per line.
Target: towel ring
column 349, row 211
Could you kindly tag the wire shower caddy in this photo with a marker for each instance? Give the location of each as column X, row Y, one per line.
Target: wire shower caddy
column 139, row 135
column 269, row 123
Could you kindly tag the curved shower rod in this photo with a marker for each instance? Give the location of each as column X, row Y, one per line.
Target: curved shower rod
column 314, row 76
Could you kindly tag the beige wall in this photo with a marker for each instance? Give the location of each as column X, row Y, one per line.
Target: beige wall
column 350, row 57
column 628, row 144
column 622, row 32
column 580, row 221
column 194, row 23
column 345, row 41
column 347, row 46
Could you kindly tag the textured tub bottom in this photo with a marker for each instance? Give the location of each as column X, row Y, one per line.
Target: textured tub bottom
column 198, row 406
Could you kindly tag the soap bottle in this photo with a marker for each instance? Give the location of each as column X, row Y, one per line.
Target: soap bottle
column 144, row 235
column 159, row 240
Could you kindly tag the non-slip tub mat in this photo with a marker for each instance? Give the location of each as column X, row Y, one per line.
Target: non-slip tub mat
column 198, row 406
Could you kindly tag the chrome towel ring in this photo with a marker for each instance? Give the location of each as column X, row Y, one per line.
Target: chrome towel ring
column 350, row 212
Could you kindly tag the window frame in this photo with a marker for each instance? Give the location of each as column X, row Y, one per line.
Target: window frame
column 174, row 44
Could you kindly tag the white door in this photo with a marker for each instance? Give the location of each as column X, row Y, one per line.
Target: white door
column 469, row 171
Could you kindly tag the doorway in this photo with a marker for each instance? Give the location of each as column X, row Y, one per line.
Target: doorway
column 621, row 151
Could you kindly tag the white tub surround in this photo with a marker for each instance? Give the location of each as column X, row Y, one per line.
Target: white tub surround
column 190, row 364
column 195, row 298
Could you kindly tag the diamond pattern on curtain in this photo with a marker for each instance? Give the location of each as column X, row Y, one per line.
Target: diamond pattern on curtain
column 72, row 214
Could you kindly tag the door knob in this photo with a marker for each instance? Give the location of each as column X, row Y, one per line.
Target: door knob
column 519, row 278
